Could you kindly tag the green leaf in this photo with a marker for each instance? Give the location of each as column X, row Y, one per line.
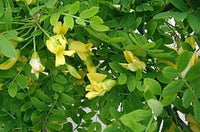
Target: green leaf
column 196, row 110
column 11, row 34
column 80, row 22
column 74, row 8
column 114, row 113
column 122, row 79
column 89, row 115
column 180, row 4
column 193, row 76
column 131, row 82
column 194, row 21
column 8, row 17
column 136, row 116
column 179, row 16
column 26, row 106
column 95, row 126
column 6, row 48
column 156, row 106
column 8, row 73
column 43, row 96
column 111, row 128
column 173, row 87
column 138, row 75
column 89, row 12
column 152, row 85
column 22, row 81
column 51, row 3
column 66, row 99
column 38, row 126
column 54, row 126
column 98, row 26
column 167, row 100
column 117, row 39
column 1, row 8
column 12, row 89
column 54, row 19
column 69, row 21
column 144, row 7
column 57, row 87
column 130, row 120
column 151, row 27
column 34, row 10
column 169, row 72
column 183, row 60
column 41, row 106
column 138, row 39
column 187, row 98
column 60, row 79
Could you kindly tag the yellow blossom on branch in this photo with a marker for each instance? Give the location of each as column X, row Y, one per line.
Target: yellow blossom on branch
column 36, row 65
column 56, row 45
column 84, row 52
column 98, row 85
column 60, row 29
column 134, row 63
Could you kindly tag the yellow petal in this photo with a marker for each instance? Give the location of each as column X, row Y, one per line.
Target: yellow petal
column 60, row 59
column 80, row 47
column 60, row 29
column 191, row 41
column 192, row 61
column 56, row 44
column 109, row 83
column 90, row 66
column 92, row 94
column 69, row 52
column 83, row 56
column 129, row 56
column 125, row 65
column 96, row 77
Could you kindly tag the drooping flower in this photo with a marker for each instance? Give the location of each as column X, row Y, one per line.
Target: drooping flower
column 56, row 45
column 98, row 85
column 134, row 63
column 36, row 65
column 192, row 61
column 84, row 52
column 60, row 29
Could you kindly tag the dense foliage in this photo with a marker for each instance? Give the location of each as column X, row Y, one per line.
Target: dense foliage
column 99, row 65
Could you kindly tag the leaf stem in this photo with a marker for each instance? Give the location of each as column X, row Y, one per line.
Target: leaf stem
column 149, row 124
column 191, row 89
column 8, row 113
column 43, row 30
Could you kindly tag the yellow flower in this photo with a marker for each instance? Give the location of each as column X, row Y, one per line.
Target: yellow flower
column 56, row 45
column 191, row 41
column 60, row 29
column 36, row 65
column 98, row 86
column 29, row 2
column 192, row 61
column 84, row 52
column 134, row 63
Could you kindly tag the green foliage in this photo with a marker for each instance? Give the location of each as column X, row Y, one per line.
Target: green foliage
column 49, row 85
